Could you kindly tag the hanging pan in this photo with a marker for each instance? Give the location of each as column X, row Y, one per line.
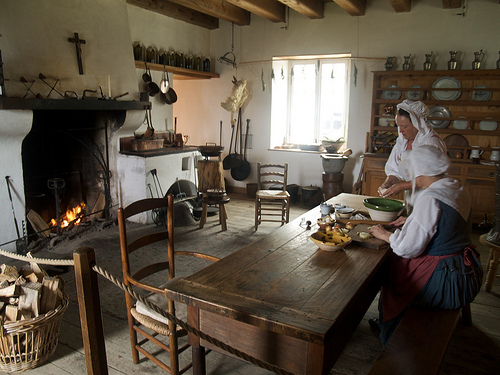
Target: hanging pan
column 169, row 97
column 242, row 171
column 231, row 160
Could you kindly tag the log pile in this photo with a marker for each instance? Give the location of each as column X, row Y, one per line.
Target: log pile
column 27, row 293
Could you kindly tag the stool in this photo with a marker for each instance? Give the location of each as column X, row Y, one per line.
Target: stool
column 492, row 261
column 205, row 202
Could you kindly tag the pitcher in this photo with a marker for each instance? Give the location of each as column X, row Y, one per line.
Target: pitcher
column 495, row 154
column 475, row 154
column 478, row 57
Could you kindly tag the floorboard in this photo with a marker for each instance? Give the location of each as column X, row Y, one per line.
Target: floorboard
column 473, row 350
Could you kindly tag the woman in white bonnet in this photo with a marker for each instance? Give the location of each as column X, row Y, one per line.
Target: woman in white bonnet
column 411, row 120
column 433, row 263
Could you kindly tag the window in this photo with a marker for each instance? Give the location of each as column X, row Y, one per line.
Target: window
column 309, row 99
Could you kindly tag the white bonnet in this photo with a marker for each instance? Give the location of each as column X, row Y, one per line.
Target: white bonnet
column 418, row 114
column 425, row 160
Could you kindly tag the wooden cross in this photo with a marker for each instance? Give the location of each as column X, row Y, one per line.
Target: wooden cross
column 78, row 45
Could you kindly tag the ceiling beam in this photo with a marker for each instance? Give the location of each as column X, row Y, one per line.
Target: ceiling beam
column 218, row 8
column 178, row 12
column 309, row 8
column 401, row 5
column 451, row 4
column 353, row 7
column 269, row 9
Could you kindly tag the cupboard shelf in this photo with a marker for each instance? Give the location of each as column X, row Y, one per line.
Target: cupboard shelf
column 179, row 73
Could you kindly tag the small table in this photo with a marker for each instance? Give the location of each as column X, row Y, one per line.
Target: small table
column 281, row 299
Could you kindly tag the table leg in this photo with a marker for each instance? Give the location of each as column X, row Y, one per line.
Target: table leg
column 492, row 269
column 197, row 351
column 222, row 216
column 203, row 218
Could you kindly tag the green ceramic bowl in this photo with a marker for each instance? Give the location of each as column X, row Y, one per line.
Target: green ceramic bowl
column 383, row 204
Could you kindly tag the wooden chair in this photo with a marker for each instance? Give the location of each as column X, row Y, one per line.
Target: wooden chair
column 272, row 199
column 492, row 264
column 138, row 268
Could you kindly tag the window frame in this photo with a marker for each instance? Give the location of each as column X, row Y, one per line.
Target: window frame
column 281, row 129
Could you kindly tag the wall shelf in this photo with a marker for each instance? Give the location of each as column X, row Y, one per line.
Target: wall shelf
column 179, row 73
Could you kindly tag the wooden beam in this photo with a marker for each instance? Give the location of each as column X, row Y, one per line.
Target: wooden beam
column 269, row 9
column 452, row 4
column 178, row 12
column 217, row 8
column 353, row 7
column 401, row 5
column 309, row 8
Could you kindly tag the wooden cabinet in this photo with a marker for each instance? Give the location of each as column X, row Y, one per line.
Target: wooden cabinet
column 465, row 112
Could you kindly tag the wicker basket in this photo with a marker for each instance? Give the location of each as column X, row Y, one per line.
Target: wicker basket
column 26, row 344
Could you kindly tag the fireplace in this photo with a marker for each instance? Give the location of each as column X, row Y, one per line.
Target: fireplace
column 66, row 149
column 65, row 161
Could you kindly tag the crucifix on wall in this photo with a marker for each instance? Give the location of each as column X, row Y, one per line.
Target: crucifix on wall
column 78, row 45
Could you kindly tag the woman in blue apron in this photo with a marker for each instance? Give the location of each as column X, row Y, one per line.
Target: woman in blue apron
column 433, row 264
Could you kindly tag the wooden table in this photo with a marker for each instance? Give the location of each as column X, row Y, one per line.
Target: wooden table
column 281, row 299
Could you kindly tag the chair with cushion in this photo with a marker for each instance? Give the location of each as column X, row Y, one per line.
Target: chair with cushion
column 145, row 272
column 272, row 201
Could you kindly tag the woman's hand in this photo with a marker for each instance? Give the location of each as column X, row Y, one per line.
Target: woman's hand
column 378, row 231
column 390, row 191
column 399, row 222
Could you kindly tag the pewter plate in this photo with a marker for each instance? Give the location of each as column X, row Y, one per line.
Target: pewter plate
column 414, row 94
column 481, row 95
column 391, row 94
column 445, row 83
column 439, row 111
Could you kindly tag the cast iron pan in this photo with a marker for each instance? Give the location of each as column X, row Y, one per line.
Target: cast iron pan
column 242, row 171
column 231, row 160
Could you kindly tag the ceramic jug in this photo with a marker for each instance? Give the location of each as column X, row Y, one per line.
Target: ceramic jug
column 475, row 152
column 495, row 154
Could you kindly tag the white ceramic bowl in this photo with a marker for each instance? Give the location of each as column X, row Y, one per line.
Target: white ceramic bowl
column 382, row 215
column 344, row 213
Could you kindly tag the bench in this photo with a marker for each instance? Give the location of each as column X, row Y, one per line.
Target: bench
column 419, row 344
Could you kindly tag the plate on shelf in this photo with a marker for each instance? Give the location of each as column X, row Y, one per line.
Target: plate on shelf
column 414, row 94
column 387, row 121
column 391, row 94
column 488, row 125
column 481, row 95
column 446, row 83
column 460, row 124
column 456, row 144
column 439, row 111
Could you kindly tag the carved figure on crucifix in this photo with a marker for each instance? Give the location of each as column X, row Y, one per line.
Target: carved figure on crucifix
column 78, row 45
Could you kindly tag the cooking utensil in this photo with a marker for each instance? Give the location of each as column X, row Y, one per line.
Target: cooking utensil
column 52, row 88
column 242, row 171
column 164, row 84
column 210, row 149
column 21, row 244
column 170, row 95
column 231, row 160
column 28, row 88
column 151, row 88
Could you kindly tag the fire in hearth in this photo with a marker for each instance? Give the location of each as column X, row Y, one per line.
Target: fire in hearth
column 73, row 216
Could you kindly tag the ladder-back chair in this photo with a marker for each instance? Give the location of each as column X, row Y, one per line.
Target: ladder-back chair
column 272, row 201
column 143, row 271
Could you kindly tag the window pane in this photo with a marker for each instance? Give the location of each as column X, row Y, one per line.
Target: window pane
column 332, row 107
column 302, row 104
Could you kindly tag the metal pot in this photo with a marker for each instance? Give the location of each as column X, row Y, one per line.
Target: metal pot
column 210, row 150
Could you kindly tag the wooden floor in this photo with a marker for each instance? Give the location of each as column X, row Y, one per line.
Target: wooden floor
column 473, row 350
